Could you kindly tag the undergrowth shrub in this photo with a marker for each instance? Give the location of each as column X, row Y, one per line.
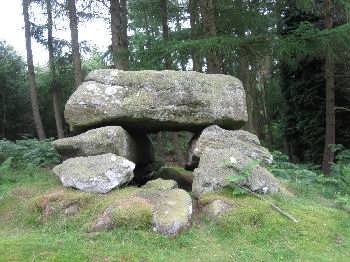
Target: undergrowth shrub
column 29, row 151
column 308, row 178
column 281, row 167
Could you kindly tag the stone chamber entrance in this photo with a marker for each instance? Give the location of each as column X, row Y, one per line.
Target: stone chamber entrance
column 170, row 155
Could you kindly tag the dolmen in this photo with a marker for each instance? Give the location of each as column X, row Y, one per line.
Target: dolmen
column 113, row 111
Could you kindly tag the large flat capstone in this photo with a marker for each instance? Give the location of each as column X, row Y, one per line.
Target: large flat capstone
column 157, row 100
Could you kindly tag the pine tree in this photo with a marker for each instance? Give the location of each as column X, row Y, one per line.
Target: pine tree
column 31, row 74
column 54, row 87
column 119, row 28
column 73, row 25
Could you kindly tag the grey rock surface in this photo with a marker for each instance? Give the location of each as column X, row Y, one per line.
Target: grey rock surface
column 108, row 139
column 213, row 172
column 157, row 100
column 173, row 212
column 98, row 174
column 215, row 137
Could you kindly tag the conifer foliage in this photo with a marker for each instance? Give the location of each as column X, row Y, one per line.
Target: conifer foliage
column 291, row 55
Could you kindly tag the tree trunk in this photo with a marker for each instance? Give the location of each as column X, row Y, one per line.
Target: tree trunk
column 165, row 27
column 4, row 115
column 194, row 22
column 244, row 77
column 31, row 74
column 148, row 31
column 208, row 17
column 119, row 30
column 73, row 24
column 265, row 75
column 328, row 154
column 53, row 83
column 124, row 33
column 256, row 107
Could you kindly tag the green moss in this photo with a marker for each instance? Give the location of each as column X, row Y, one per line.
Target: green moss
column 160, row 185
column 224, row 195
column 177, row 169
column 135, row 216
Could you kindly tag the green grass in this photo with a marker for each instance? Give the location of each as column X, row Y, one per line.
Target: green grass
column 251, row 232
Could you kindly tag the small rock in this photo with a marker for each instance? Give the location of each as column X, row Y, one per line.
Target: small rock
column 72, row 210
column 160, row 185
column 104, row 222
column 47, row 211
column 216, row 208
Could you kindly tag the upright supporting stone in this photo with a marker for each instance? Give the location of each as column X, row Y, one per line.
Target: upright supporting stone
column 217, row 165
column 108, row 139
column 215, row 137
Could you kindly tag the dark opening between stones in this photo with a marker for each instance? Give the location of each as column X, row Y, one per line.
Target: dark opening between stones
column 170, row 158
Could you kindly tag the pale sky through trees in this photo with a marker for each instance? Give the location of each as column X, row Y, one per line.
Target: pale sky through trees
column 11, row 30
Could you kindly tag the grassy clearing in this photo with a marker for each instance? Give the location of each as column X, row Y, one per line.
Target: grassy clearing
column 251, row 232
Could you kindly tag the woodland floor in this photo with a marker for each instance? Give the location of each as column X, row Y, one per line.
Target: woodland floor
column 252, row 232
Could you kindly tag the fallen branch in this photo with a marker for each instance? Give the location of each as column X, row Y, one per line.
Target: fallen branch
column 275, row 207
column 279, row 210
column 342, row 108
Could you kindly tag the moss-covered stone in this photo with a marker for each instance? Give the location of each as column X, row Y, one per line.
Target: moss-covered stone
column 136, row 214
column 160, row 185
column 173, row 212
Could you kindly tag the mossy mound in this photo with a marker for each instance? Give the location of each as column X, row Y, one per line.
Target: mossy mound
column 60, row 201
column 132, row 212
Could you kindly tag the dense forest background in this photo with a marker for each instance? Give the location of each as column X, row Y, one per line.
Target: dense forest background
column 292, row 57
